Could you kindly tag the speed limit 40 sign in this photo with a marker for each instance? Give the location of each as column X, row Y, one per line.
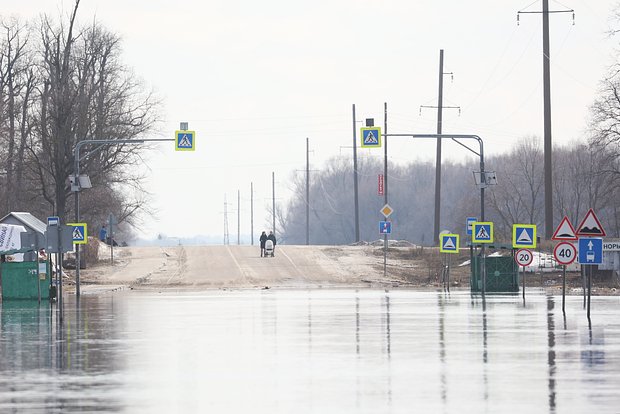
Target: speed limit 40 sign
column 565, row 253
column 523, row 257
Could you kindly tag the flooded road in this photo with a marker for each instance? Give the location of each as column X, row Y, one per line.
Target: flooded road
column 303, row 351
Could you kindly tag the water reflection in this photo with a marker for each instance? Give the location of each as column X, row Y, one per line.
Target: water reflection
column 312, row 351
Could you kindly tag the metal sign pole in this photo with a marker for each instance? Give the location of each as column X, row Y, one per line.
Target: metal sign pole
column 523, row 283
column 589, row 289
column 563, row 288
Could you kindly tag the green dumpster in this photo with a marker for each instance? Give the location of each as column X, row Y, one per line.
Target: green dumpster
column 502, row 274
column 25, row 280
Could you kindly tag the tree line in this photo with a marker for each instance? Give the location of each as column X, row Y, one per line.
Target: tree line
column 61, row 83
column 585, row 176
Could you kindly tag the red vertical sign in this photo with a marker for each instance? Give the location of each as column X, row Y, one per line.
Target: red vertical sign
column 380, row 185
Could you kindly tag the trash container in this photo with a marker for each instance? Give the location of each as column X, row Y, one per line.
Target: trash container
column 502, row 274
column 25, row 280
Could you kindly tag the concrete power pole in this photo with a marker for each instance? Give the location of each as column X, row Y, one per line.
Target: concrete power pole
column 548, row 147
column 273, row 200
column 307, row 191
column 355, row 190
column 238, row 217
column 440, row 107
column 226, row 240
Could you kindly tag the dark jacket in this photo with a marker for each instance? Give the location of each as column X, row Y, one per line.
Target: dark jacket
column 272, row 237
column 263, row 239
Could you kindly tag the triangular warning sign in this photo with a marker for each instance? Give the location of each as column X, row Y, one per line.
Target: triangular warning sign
column 591, row 226
column 185, row 142
column 483, row 234
column 370, row 138
column 524, row 237
column 565, row 231
column 77, row 234
column 449, row 244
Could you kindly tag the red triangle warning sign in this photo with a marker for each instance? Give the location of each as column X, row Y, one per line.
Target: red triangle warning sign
column 565, row 231
column 591, row 226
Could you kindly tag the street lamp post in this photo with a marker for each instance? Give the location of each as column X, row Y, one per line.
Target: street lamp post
column 483, row 183
column 76, row 188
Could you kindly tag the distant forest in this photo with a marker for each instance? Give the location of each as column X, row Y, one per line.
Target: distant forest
column 585, row 175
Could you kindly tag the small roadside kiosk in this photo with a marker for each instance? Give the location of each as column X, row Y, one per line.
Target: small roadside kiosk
column 501, row 271
column 24, row 273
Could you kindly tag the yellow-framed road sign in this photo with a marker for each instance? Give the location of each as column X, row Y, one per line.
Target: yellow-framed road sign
column 482, row 232
column 184, row 140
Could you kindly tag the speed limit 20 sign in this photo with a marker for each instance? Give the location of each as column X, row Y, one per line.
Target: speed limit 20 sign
column 523, row 257
column 565, row 253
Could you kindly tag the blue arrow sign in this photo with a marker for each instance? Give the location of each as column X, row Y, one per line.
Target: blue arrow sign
column 385, row 227
column 590, row 251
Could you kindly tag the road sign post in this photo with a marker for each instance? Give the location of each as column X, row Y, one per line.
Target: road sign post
column 524, row 258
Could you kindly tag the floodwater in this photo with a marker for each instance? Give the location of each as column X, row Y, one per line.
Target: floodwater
column 316, row 351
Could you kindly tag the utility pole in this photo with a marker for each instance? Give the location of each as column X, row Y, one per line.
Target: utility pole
column 385, row 156
column 273, row 200
column 226, row 240
column 238, row 217
column 385, row 183
column 547, row 113
column 252, row 213
column 307, row 191
column 440, row 107
column 355, row 190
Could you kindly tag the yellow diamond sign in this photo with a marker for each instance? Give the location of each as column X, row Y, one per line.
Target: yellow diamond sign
column 386, row 210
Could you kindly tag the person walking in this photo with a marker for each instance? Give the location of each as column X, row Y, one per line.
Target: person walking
column 272, row 237
column 263, row 240
column 103, row 234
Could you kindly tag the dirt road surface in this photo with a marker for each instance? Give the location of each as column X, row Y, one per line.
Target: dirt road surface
column 241, row 267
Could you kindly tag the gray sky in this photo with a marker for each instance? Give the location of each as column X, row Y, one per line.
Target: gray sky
column 254, row 79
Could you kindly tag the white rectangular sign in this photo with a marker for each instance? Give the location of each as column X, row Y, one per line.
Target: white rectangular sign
column 611, row 246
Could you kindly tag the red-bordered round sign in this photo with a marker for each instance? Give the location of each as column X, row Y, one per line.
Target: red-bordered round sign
column 523, row 257
column 565, row 253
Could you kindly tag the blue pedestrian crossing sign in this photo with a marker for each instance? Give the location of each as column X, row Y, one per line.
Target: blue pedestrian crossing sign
column 371, row 137
column 449, row 243
column 482, row 232
column 385, row 227
column 524, row 236
column 590, row 250
column 79, row 233
column 185, row 140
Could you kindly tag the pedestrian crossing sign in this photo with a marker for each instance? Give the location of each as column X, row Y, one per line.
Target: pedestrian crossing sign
column 371, row 137
column 449, row 243
column 79, row 232
column 482, row 232
column 524, row 236
column 185, row 140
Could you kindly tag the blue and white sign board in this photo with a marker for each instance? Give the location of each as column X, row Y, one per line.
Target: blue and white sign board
column 482, row 232
column 524, row 236
column 470, row 222
column 79, row 232
column 371, row 137
column 385, row 227
column 53, row 221
column 185, row 140
column 449, row 243
column 590, row 251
